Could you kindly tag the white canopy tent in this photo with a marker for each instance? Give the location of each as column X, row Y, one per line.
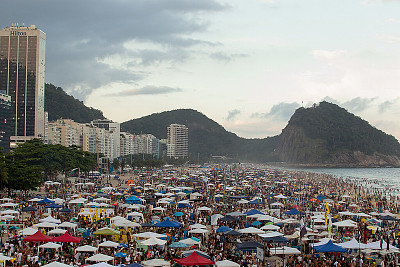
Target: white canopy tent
column 100, row 258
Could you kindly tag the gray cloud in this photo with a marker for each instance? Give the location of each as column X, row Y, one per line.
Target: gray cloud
column 279, row 112
column 385, row 106
column 358, row 104
column 147, row 90
column 80, row 32
column 232, row 114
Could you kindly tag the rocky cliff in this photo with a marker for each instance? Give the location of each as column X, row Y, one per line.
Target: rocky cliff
column 329, row 136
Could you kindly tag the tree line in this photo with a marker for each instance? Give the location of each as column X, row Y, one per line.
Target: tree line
column 30, row 163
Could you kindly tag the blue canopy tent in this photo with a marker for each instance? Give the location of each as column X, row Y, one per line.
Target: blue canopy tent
column 66, row 210
column 256, row 201
column 134, row 265
column 253, row 211
column 223, row 229
column 45, row 201
column 329, row 247
column 29, row 209
column 251, row 245
column 183, row 205
column 294, row 211
column 168, row 224
column 53, row 206
column 134, row 200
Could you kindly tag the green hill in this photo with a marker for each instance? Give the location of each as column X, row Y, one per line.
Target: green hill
column 206, row 137
column 328, row 134
column 61, row 105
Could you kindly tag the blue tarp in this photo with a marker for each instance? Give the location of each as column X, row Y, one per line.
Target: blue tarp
column 293, row 212
column 329, row 247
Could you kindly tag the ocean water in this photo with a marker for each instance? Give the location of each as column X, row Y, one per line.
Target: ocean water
column 386, row 180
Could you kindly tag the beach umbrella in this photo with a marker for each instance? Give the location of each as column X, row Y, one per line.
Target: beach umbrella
column 178, row 214
column 120, row 255
column 194, row 259
column 222, row 229
column 255, row 223
column 178, row 245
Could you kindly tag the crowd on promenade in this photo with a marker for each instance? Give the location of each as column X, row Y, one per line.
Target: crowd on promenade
column 222, row 215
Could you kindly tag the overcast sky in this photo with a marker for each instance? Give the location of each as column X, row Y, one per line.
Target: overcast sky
column 247, row 64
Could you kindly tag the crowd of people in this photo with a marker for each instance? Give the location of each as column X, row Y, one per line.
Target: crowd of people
column 223, row 213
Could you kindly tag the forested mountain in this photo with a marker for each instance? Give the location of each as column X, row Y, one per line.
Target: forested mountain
column 328, row 134
column 206, row 137
column 322, row 135
column 61, row 105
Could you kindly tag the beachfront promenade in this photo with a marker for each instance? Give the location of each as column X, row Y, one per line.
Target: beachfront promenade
column 230, row 215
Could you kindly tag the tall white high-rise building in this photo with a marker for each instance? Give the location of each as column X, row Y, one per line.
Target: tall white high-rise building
column 22, row 73
column 177, row 141
column 113, row 137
